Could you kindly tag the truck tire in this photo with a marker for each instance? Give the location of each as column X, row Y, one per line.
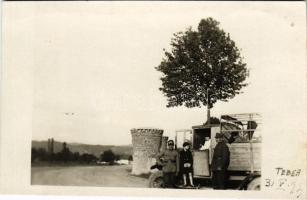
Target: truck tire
column 254, row 184
column 156, row 180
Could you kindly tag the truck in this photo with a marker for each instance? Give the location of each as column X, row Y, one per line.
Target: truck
column 243, row 135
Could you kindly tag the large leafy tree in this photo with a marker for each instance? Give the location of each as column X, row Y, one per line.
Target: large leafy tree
column 203, row 66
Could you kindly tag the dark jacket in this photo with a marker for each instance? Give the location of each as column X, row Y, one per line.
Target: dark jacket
column 221, row 156
column 186, row 157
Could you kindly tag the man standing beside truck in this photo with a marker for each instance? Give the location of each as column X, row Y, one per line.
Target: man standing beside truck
column 220, row 163
column 170, row 164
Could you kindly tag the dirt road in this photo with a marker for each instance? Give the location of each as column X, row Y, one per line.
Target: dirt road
column 106, row 176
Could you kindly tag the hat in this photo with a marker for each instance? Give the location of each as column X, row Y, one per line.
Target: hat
column 219, row 135
column 170, row 142
column 186, row 144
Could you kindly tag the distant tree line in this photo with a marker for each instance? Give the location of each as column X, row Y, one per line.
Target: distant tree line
column 65, row 155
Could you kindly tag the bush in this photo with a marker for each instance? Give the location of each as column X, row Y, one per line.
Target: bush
column 108, row 156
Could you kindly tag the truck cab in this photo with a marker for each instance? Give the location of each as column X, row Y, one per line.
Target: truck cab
column 202, row 157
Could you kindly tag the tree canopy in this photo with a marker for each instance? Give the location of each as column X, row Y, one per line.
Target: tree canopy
column 203, row 66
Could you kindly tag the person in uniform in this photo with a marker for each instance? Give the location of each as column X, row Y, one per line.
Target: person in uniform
column 170, row 164
column 186, row 164
column 220, row 163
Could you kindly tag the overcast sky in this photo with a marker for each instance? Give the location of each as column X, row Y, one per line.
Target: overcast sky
column 96, row 60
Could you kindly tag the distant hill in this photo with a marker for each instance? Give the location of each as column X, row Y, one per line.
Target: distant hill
column 122, row 150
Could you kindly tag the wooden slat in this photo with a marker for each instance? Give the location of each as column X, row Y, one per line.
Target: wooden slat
column 240, row 156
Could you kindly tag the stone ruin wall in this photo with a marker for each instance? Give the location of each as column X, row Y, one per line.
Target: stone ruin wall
column 146, row 145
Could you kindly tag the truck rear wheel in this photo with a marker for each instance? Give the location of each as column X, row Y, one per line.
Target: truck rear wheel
column 156, row 180
column 254, row 184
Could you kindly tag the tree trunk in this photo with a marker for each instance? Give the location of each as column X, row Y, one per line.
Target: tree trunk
column 208, row 115
column 208, row 107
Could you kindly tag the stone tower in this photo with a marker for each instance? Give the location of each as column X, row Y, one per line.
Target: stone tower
column 146, row 144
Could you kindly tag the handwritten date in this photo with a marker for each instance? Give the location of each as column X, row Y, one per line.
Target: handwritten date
column 283, row 184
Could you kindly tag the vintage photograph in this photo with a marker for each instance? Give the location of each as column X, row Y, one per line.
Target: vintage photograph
column 127, row 100
column 162, row 95
column 100, row 96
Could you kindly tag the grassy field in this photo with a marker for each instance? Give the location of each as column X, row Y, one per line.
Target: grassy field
column 104, row 176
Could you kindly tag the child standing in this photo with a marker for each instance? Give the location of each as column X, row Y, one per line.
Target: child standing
column 186, row 164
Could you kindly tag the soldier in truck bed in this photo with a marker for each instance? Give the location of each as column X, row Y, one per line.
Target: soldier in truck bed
column 220, row 163
column 170, row 164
